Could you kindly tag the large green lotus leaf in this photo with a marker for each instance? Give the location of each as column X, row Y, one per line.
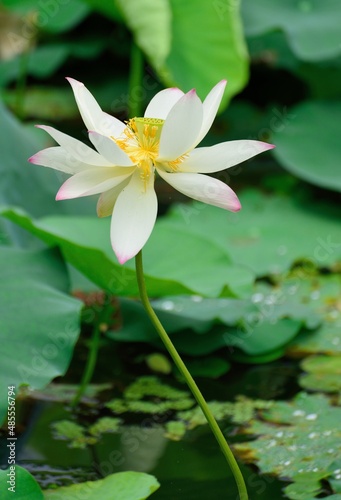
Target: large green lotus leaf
column 309, row 146
column 255, row 325
column 322, row 293
column 150, row 23
column 26, row 487
column 206, row 35
column 54, row 17
column 29, row 186
column 40, row 322
column 20, row 184
column 193, row 263
column 298, row 440
column 311, row 26
column 266, row 235
column 119, row 486
column 199, row 263
column 260, row 340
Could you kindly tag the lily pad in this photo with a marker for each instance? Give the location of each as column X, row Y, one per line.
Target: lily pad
column 159, row 363
column 85, row 243
column 35, row 187
column 261, row 324
column 150, row 23
column 221, row 42
column 79, row 436
column 37, row 343
column 240, row 412
column 25, row 486
column 299, row 21
column 323, row 295
column 120, row 486
column 150, row 395
column 335, row 477
column 308, row 150
column 73, row 433
column 323, row 373
column 297, row 440
column 255, row 239
column 304, row 489
column 104, row 425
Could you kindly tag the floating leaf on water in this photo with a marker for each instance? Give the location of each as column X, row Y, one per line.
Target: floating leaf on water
column 327, row 338
column 25, row 486
column 299, row 440
column 126, row 485
column 175, row 430
column 137, row 406
column 323, row 373
column 151, row 386
column 103, row 425
column 158, row 362
column 160, row 398
column 303, row 490
column 240, row 412
column 72, row 432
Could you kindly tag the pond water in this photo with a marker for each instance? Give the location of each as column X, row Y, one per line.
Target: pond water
column 192, row 468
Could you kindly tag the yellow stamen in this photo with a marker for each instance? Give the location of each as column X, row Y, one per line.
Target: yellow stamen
column 141, row 143
column 173, row 165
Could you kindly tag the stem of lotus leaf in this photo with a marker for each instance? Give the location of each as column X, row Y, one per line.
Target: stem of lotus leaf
column 94, row 344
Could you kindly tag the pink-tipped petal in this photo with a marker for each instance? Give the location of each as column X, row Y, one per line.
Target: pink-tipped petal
column 181, row 127
column 210, row 107
column 92, row 114
column 92, row 181
column 75, row 148
column 59, row 159
column 203, row 188
column 110, row 150
column 162, row 103
column 222, row 156
column 133, row 217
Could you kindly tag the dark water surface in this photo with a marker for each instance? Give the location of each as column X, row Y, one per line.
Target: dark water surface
column 190, row 469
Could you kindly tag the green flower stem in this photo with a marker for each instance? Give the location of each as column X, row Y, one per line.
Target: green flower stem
column 93, row 351
column 190, row 381
column 135, row 81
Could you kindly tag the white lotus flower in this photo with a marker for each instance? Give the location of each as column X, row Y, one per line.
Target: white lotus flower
column 128, row 155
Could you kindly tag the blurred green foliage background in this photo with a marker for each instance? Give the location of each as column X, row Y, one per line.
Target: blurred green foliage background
column 283, row 65
column 250, row 287
column 282, row 61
